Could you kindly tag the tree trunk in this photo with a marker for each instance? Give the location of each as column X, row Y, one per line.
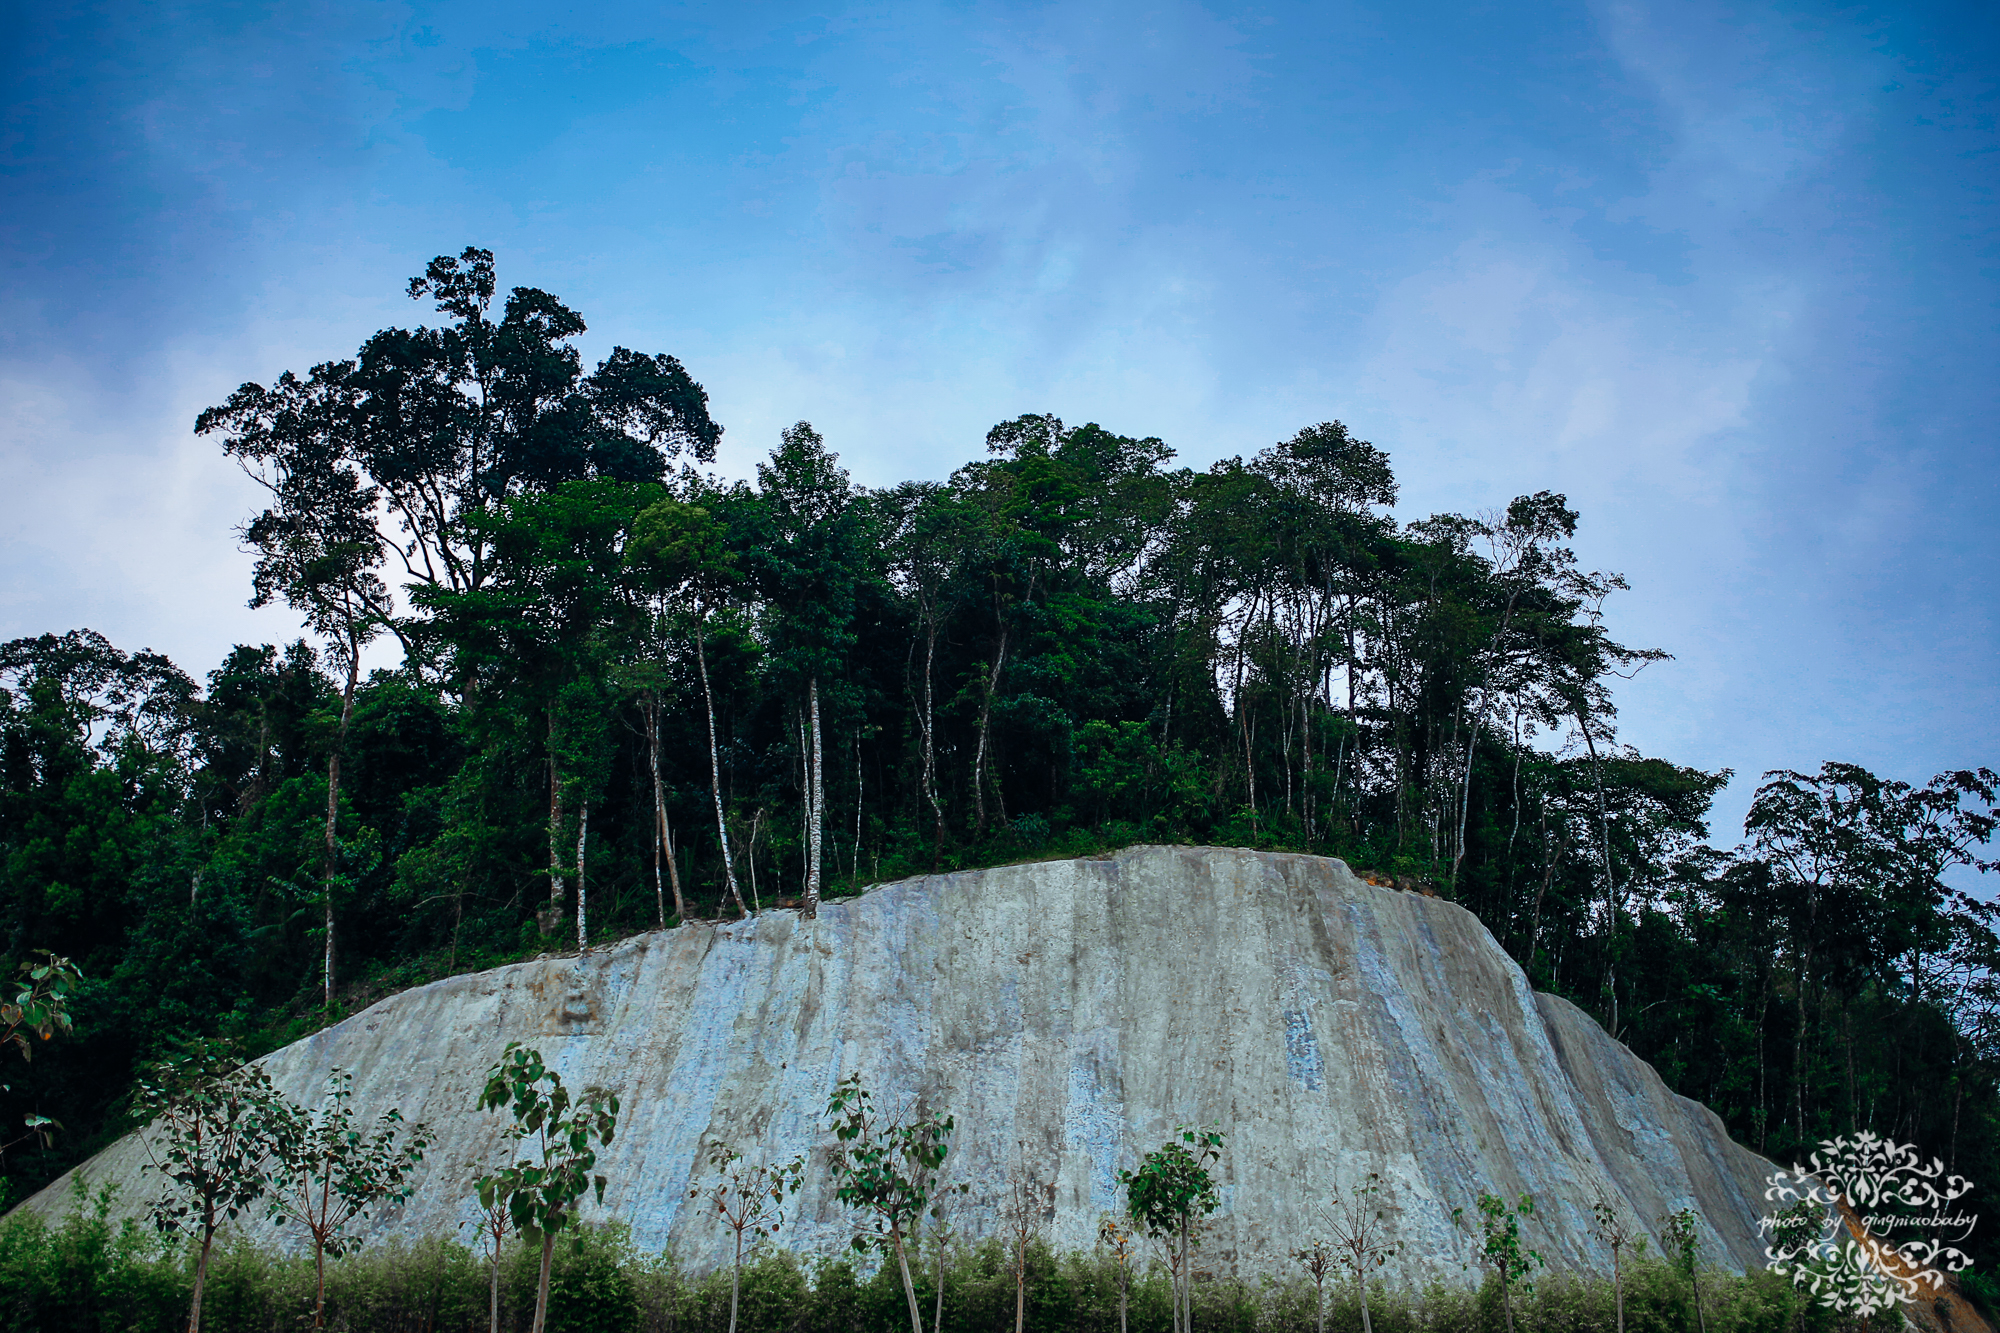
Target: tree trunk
column 1020, row 1282
column 937, row 1314
column 493, row 1296
column 1361, row 1283
column 333, row 803
column 930, row 752
column 542, row 1289
column 662, row 836
column 319, row 1283
column 1464, row 803
column 1618, row 1288
column 1610, row 884
column 909, row 1287
column 979, row 754
column 558, row 886
column 200, row 1280
column 715, row 780
column 817, row 814
column 735, row 1281
column 582, row 900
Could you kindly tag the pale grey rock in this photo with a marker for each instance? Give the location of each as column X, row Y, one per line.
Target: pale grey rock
column 1072, row 1013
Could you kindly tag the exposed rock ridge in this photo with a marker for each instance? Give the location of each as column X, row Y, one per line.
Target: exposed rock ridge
column 1075, row 1011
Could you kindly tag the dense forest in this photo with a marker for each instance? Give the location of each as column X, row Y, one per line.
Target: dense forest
column 632, row 693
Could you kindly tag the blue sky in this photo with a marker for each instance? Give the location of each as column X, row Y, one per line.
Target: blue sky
column 1724, row 275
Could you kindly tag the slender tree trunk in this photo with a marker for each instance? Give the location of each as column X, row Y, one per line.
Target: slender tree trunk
column 979, row 754
column 715, row 781
column 937, row 1313
column 1464, row 802
column 558, row 885
column 1618, row 1289
column 735, row 1281
column 582, row 898
column 1610, row 884
column 493, row 1296
column 1361, row 1290
column 909, row 1287
column 662, row 839
column 818, row 812
column 200, row 1278
column 756, row 821
column 1020, row 1282
column 333, row 803
column 319, row 1283
column 542, row 1289
column 930, row 752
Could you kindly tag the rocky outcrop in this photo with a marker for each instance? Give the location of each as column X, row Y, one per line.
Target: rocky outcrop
column 1070, row 1014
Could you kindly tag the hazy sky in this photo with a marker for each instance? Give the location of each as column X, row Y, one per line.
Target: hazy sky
column 1725, row 275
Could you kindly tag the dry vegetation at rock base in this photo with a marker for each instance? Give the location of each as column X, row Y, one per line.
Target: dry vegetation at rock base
column 86, row 1275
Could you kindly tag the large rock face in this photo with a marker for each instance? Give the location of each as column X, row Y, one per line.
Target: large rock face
column 1070, row 1014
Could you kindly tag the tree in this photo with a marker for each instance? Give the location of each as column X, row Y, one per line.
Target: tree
column 886, row 1172
column 1318, row 1259
column 1118, row 1238
column 327, row 1173
column 1680, row 1237
column 1031, row 1204
column 317, row 548
column 1358, row 1221
column 808, row 563
column 1613, row 1229
column 748, row 1199
column 1500, row 1248
column 543, row 1192
column 1169, row 1192
column 210, row 1131
column 677, row 556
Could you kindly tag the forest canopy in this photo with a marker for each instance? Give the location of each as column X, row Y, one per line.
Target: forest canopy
column 633, row 692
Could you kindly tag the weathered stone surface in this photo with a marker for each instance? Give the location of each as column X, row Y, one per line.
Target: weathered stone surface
column 1073, row 1013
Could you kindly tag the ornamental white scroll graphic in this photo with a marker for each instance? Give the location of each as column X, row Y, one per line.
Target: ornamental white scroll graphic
column 1905, row 1206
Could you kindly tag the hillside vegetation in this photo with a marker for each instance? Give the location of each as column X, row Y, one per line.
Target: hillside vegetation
column 633, row 692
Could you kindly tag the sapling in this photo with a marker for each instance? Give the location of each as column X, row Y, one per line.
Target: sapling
column 327, row 1173
column 1500, row 1247
column 1030, row 1206
column 1612, row 1228
column 1680, row 1237
column 209, row 1137
column 542, row 1193
column 886, row 1171
column 1359, row 1221
column 1318, row 1260
column 749, row 1200
column 1118, row 1238
column 1169, row 1193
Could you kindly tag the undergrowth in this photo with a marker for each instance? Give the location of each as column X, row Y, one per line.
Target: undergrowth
column 88, row 1274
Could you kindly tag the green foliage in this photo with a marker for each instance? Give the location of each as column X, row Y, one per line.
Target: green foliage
column 1172, row 1186
column 211, row 1129
column 541, row 1192
column 84, row 1275
column 1070, row 644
